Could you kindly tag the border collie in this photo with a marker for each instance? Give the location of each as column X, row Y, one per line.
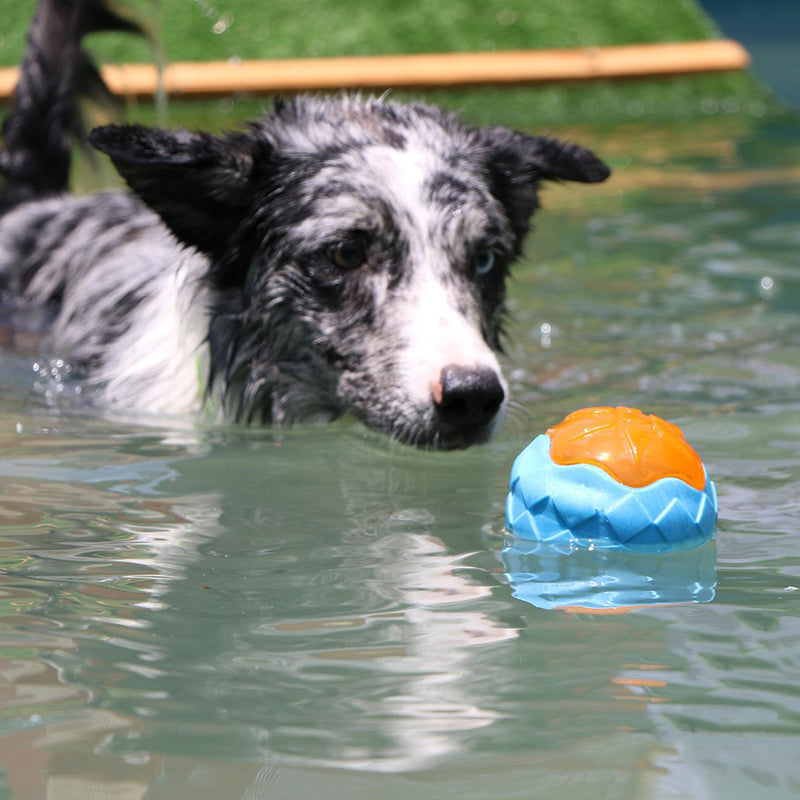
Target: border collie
column 338, row 255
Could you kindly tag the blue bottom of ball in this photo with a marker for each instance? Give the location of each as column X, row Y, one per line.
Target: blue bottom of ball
column 582, row 505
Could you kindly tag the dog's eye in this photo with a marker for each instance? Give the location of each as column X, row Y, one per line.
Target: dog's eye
column 348, row 255
column 483, row 262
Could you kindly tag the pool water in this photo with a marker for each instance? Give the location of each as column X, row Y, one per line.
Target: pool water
column 191, row 612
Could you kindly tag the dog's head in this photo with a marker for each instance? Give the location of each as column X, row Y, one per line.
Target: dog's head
column 359, row 252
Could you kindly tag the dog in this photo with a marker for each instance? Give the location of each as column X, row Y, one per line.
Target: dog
column 337, row 256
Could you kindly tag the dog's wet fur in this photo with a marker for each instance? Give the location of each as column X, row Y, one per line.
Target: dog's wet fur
column 339, row 255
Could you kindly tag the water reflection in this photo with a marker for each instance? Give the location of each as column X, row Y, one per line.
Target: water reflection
column 250, row 618
column 264, row 614
column 549, row 576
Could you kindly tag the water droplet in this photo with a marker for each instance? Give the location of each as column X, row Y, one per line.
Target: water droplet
column 709, row 105
column 223, row 23
column 731, row 105
column 766, row 287
column 545, row 341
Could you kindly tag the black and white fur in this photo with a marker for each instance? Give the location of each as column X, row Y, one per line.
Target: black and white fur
column 337, row 256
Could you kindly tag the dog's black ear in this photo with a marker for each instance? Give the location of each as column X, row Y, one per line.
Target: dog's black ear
column 517, row 164
column 553, row 160
column 196, row 182
column 542, row 157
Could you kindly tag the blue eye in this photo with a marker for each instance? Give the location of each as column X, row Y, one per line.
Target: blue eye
column 483, row 262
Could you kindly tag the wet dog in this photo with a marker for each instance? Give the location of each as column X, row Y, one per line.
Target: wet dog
column 336, row 256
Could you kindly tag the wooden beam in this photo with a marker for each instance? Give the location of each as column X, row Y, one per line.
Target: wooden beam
column 440, row 70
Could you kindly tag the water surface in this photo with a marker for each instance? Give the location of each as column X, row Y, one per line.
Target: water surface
column 315, row 613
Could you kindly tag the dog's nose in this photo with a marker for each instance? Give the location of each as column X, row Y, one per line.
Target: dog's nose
column 468, row 397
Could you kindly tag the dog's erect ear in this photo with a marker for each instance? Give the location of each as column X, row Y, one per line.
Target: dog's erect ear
column 196, row 182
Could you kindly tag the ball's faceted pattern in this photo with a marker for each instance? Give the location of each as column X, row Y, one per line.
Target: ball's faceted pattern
column 584, row 504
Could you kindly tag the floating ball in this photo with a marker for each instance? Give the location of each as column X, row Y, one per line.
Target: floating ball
column 612, row 477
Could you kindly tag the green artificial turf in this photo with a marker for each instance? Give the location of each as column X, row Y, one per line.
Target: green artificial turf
column 209, row 29
column 222, row 29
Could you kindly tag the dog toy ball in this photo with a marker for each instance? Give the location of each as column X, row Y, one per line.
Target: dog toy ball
column 612, row 477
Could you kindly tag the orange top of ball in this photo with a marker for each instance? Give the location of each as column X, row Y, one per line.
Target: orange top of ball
column 635, row 449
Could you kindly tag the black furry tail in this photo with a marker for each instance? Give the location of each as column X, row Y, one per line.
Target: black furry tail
column 55, row 72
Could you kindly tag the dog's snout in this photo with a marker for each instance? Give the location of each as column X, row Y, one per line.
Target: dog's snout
column 468, row 397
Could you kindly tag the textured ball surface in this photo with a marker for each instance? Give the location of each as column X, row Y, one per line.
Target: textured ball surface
column 612, row 477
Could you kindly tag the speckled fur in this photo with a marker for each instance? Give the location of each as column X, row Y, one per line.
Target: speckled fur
column 226, row 259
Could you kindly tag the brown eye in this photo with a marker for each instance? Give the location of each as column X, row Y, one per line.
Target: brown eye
column 348, row 255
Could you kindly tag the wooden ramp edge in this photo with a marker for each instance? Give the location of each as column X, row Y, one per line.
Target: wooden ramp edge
column 440, row 70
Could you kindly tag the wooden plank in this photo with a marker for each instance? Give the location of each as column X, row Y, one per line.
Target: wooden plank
column 439, row 70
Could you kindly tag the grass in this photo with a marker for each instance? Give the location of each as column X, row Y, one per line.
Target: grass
column 222, row 29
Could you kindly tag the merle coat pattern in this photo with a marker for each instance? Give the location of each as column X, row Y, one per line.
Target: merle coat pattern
column 337, row 256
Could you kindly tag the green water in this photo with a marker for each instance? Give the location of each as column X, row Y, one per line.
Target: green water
column 316, row 613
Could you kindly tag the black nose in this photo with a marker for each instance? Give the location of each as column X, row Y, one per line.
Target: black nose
column 470, row 397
